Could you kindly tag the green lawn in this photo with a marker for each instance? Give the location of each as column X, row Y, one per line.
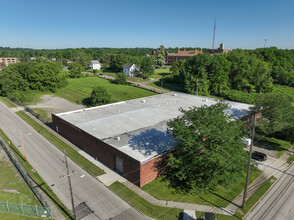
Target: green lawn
column 13, row 188
column 44, row 114
column 7, row 102
column 9, row 216
column 160, row 190
column 275, row 144
column 42, row 184
column 74, row 155
column 80, row 89
column 160, row 72
column 144, row 206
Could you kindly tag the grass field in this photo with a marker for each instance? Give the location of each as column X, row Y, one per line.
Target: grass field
column 74, row 155
column 44, row 113
column 275, row 144
column 219, row 196
column 13, row 188
column 7, row 102
column 160, row 72
column 144, row 206
column 9, row 216
column 80, row 89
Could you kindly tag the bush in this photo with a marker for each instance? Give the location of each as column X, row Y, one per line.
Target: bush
column 239, row 96
column 121, row 79
column 100, row 96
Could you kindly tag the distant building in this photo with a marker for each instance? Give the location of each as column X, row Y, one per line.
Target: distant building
column 94, row 65
column 184, row 55
column 32, row 58
column 181, row 55
column 8, row 60
column 69, row 61
column 53, row 59
column 130, row 69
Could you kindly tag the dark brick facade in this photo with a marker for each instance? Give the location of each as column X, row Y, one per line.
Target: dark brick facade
column 133, row 170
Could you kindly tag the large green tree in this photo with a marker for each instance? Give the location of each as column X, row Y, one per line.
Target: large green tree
column 147, row 66
column 209, row 142
column 100, row 96
column 160, row 57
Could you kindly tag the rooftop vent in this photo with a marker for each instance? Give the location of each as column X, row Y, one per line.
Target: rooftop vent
column 143, row 101
column 175, row 94
column 117, row 138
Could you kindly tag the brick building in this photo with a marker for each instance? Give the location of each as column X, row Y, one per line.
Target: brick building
column 183, row 55
column 8, row 60
column 131, row 136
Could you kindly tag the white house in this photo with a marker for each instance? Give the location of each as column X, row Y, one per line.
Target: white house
column 130, row 69
column 94, row 65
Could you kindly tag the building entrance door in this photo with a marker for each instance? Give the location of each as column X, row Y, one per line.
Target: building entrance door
column 119, row 164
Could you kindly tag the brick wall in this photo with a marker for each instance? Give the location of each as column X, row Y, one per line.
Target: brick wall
column 98, row 149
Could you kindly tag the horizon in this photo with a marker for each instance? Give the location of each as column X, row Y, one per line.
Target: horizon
column 139, row 24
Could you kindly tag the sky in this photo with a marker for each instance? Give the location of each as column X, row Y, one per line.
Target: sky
column 55, row 24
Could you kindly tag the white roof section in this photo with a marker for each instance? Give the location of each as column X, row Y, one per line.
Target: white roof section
column 94, row 62
column 138, row 127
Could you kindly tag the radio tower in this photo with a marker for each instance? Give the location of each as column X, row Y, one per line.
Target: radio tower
column 213, row 35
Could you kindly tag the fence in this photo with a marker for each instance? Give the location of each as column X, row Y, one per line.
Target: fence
column 22, row 209
column 46, row 208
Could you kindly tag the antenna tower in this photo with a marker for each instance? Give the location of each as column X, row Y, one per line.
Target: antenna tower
column 213, row 35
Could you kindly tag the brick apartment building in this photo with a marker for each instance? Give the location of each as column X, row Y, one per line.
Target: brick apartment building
column 131, row 136
column 183, row 55
column 8, row 60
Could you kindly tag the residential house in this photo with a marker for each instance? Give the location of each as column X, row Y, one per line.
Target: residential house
column 131, row 69
column 8, row 60
column 94, row 65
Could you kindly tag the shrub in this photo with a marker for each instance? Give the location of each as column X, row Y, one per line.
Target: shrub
column 121, row 79
column 100, row 96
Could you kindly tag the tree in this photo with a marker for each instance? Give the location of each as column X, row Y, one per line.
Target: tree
column 160, row 58
column 147, row 66
column 100, row 96
column 207, row 142
column 121, row 79
column 75, row 70
column 278, row 115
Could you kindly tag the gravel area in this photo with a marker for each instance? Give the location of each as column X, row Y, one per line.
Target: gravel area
column 55, row 104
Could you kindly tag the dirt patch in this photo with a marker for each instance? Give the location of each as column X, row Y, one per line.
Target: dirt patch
column 10, row 190
column 53, row 104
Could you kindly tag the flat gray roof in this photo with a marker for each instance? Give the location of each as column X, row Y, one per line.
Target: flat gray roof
column 138, row 127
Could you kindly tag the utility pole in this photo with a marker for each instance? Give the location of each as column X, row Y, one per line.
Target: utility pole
column 249, row 160
column 197, row 85
column 70, row 188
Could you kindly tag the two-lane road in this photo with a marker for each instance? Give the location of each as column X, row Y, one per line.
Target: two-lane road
column 47, row 160
column 278, row 204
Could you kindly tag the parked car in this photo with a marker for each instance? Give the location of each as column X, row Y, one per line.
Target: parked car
column 258, row 156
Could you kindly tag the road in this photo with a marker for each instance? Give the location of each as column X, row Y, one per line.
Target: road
column 278, row 202
column 48, row 161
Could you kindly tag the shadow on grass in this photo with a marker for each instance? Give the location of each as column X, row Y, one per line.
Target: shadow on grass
column 170, row 86
column 215, row 205
column 229, row 201
column 87, row 102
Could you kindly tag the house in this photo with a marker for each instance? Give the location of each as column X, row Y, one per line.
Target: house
column 131, row 69
column 94, row 65
column 131, row 136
